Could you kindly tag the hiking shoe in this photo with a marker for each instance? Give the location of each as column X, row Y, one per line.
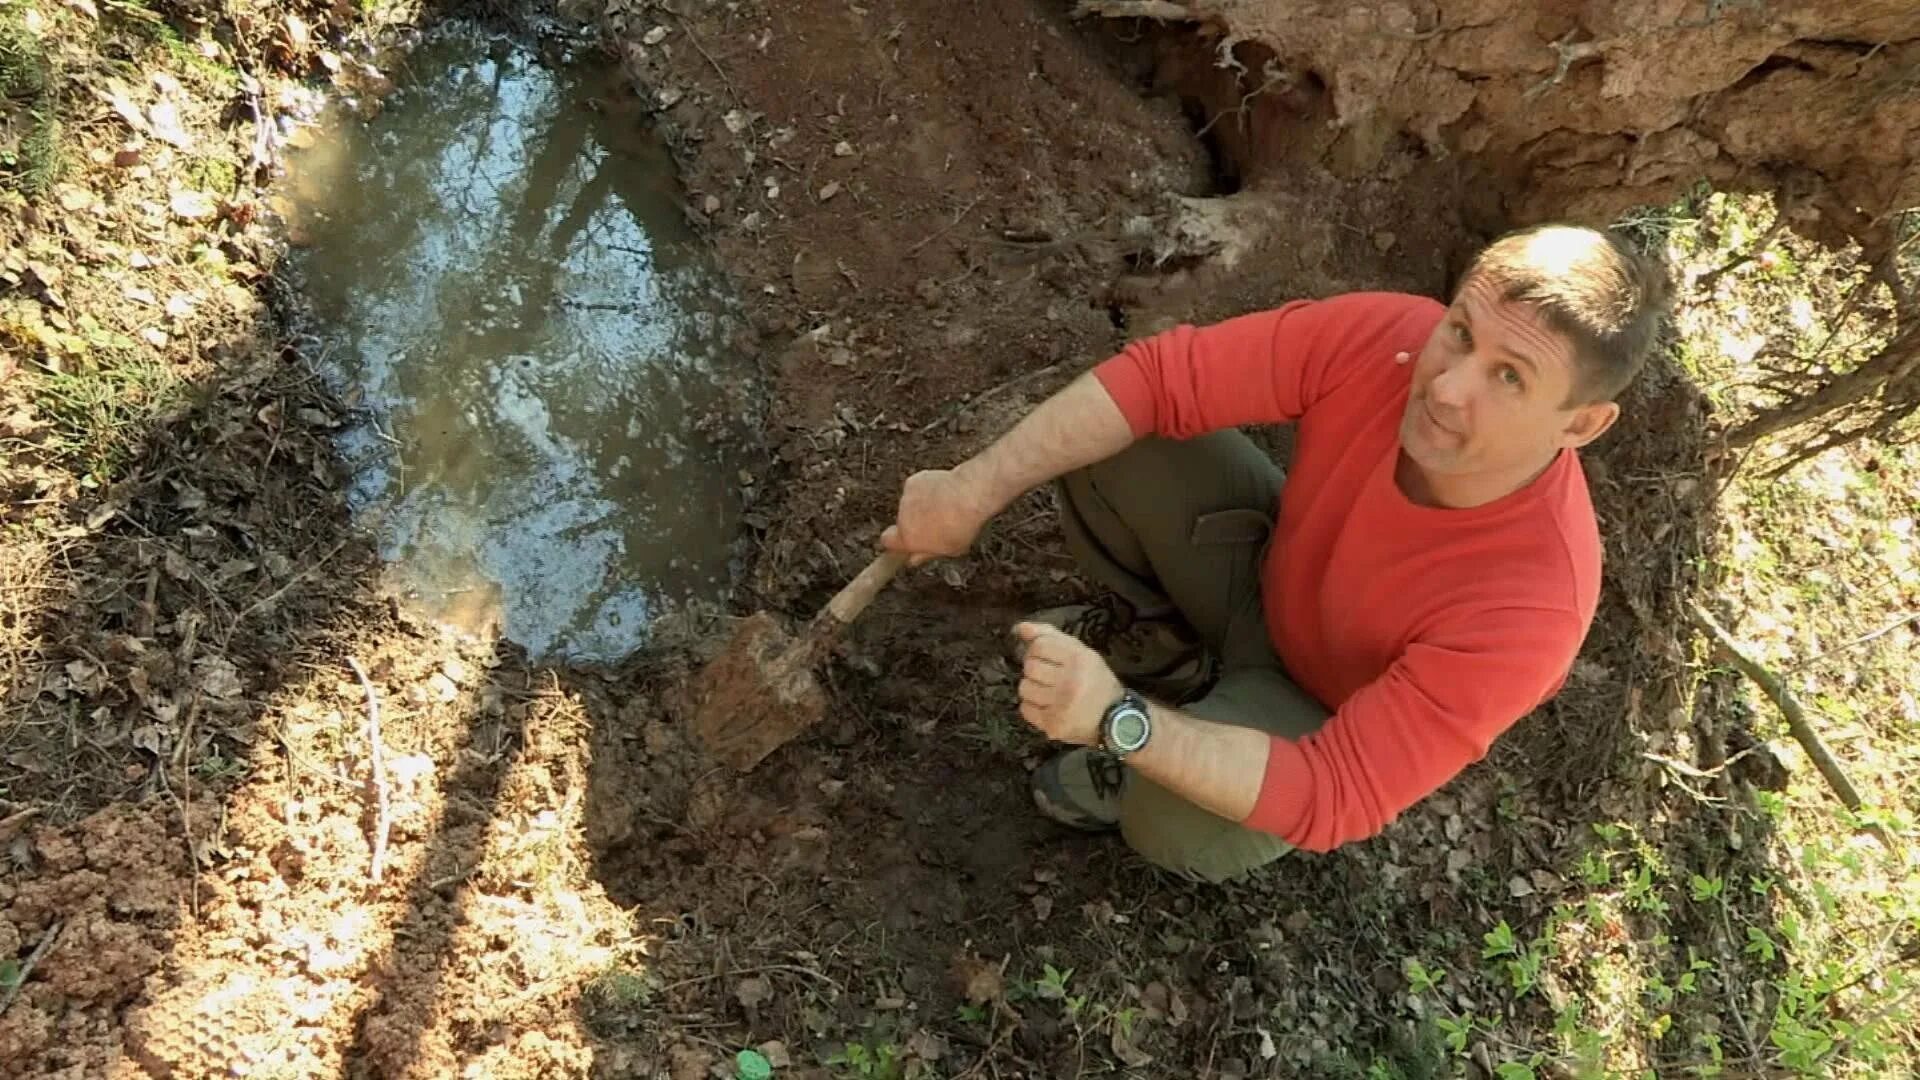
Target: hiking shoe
column 1080, row 789
column 1160, row 658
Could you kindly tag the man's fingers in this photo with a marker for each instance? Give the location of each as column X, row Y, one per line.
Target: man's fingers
column 1031, row 632
column 1040, row 672
column 1036, row 693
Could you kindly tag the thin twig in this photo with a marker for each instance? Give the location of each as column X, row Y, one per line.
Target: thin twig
column 985, row 394
column 1712, row 277
column 949, row 227
column 1727, row 945
column 281, row 591
column 1863, row 639
column 1791, row 710
column 193, row 849
column 794, row 969
column 377, row 786
column 33, row 960
column 1160, row 10
column 986, row 1057
column 687, row 29
column 12, row 822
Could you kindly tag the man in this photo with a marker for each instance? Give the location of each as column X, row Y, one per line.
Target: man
column 1430, row 575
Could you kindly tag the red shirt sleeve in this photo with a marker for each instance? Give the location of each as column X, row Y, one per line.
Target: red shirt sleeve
column 1401, row 737
column 1268, row 367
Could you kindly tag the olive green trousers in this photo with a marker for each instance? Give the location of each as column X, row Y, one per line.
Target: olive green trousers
column 1182, row 527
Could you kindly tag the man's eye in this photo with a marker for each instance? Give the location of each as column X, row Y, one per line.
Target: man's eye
column 1460, row 334
column 1510, row 377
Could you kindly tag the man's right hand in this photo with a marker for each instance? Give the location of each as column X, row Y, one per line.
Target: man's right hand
column 941, row 512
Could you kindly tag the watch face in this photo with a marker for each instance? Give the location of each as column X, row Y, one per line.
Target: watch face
column 1129, row 729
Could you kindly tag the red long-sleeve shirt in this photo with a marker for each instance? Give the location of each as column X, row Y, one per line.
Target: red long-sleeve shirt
column 1427, row 631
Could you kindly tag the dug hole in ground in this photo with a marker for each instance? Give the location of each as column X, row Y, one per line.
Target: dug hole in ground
column 933, row 216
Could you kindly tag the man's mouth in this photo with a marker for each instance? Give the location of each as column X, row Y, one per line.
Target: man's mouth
column 1434, row 420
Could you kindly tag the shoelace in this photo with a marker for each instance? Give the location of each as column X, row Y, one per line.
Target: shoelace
column 1106, row 772
column 1099, row 621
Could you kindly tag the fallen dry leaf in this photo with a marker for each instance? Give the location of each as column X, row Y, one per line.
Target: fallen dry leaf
column 218, row 677
column 751, row 993
column 164, row 120
column 927, row 1045
column 192, row 205
column 1123, row 1048
column 980, row 981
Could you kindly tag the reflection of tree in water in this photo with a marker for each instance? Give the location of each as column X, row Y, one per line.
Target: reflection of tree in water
column 542, row 360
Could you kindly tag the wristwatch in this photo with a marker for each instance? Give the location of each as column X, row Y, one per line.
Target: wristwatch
column 1126, row 727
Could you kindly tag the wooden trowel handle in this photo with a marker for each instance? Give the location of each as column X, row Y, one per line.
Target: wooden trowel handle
column 848, row 603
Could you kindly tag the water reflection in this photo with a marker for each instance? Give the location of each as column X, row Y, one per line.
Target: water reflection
column 498, row 264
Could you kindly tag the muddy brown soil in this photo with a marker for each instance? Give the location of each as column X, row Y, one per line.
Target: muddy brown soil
column 938, row 214
column 944, row 214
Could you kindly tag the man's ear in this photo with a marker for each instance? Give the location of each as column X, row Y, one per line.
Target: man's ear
column 1589, row 422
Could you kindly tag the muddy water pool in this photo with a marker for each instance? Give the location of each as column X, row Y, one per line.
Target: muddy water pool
column 498, row 273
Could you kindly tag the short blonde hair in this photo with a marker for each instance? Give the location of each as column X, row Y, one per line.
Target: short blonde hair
column 1590, row 285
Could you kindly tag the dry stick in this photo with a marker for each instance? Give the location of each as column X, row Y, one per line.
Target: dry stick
column 1733, row 992
column 40, row 950
column 1790, row 708
column 378, row 785
column 281, row 591
column 949, row 227
column 1864, row 638
column 957, row 410
column 1164, row 10
column 13, row 822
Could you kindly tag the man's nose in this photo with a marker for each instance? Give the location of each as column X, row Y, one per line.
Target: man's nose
column 1451, row 386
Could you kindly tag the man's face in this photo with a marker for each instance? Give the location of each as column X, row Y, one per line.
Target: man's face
column 1490, row 392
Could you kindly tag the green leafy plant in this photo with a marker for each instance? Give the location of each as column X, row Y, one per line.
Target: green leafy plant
column 881, row 1061
column 1421, row 979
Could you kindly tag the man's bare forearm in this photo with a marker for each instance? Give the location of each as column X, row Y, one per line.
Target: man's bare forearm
column 1074, row 428
column 1218, row 767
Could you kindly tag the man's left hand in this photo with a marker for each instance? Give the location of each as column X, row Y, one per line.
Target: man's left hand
column 1065, row 687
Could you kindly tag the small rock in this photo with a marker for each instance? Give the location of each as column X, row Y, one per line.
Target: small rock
column 669, row 97
column 828, row 192
column 711, row 204
column 1383, row 241
column 843, row 148
column 655, row 36
column 192, row 205
column 441, row 688
column 735, row 121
